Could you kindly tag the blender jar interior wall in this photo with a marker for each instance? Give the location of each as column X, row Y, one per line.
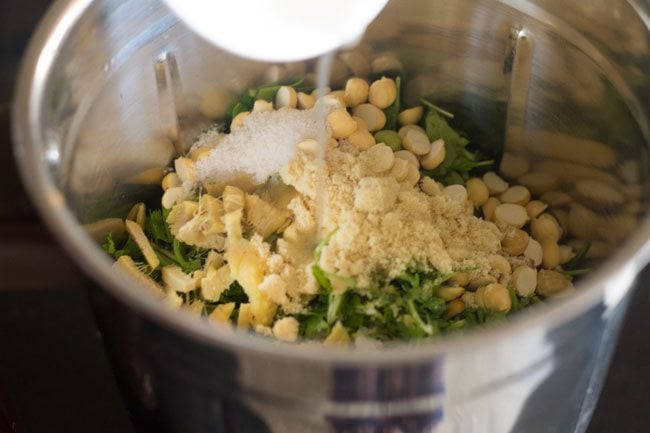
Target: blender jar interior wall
column 128, row 101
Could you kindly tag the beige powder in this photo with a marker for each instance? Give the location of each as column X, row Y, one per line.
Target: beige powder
column 383, row 227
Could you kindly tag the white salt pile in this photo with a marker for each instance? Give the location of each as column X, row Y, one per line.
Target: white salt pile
column 259, row 148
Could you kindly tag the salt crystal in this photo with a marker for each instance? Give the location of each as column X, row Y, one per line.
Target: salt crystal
column 265, row 143
column 210, row 138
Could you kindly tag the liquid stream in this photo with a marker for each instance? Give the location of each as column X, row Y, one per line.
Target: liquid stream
column 323, row 69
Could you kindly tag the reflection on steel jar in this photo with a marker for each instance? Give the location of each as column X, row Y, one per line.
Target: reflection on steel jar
column 112, row 90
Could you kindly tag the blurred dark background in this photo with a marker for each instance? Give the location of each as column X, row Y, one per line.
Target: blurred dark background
column 54, row 376
column 18, row 18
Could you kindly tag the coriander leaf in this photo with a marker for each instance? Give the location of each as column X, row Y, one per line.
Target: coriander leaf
column 428, row 290
column 524, row 302
column 459, row 161
column 435, row 306
column 130, row 249
column 312, row 323
column 452, row 178
column 314, row 326
column 480, row 116
column 234, row 293
column 495, row 317
column 470, row 316
column 427, row 328
column 166, row 257
column 188, row 261
column 245, row 104
column 109, row 245
column 188, row 264
column 411, row 281
column 437, row 127
column 457, row 325
column 514, row 300
column 266, row 92
column 169, row 249
column 352, row 311
column 156, row 227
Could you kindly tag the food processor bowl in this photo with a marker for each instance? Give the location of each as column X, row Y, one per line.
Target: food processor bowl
column 112, row 90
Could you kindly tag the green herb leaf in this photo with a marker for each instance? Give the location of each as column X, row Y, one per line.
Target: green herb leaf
column 130, row 248
column 109, row 245
column 169, row 250
column 156, row 226
column 479, row 115
column 495, row 317
column 353, row 311
column 411, row 279
column 514, row 300
column 187, row 261
column 166, row 257
column 235, row 293
column 405, row 308
column 435, row 306
column 427, row 328
column 266, row 92
column 437, row 127
column 459, row 161
column 314, row 326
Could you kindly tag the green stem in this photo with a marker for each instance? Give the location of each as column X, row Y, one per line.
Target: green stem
column 335, row 302
column 179, row 254
column 164, row 255
column 436, row 108
column 427, row 328
column 485, row 163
